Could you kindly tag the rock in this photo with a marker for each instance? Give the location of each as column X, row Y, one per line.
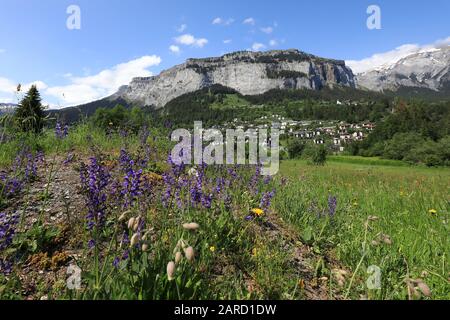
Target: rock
column 249, row 73
column 428, row 70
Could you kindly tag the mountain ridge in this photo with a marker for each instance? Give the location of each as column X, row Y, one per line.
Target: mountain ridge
column 247, row 72
column 423, row 70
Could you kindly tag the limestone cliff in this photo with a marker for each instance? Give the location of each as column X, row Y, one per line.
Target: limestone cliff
column 249, row 73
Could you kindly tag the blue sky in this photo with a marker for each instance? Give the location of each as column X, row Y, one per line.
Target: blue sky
column 121, row 39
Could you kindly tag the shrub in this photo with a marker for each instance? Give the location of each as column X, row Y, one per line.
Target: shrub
column 315, row 154
column 295, row 148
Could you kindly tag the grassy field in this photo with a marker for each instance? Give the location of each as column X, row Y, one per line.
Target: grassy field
column 393, row 217
column 140, row 227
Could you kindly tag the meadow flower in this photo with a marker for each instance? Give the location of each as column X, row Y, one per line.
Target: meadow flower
column 91, row 244
column 125, row 240
column 332, row 204
column 432, row 211
column 123, row 216
column 5, row 267
column 131, row 223
column 61, row 132
column 189, row 253
column 94, row 180
column 191, row 226
column 145, row 236
column 116, row 262
column 258, row 212
column 266, row 199
column 131, row 186
column 418, row 287
column 178, row 257
column 137, row 224
column 170, row 270
column 7, row 230
column 212, row 249
column 423, row 287
column 134, row 240
column 193, row 172
column 181, row 244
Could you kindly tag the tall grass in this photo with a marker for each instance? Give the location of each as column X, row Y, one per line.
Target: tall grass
column 394, row 201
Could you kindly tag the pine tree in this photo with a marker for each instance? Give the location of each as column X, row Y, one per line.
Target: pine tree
column 30, row 113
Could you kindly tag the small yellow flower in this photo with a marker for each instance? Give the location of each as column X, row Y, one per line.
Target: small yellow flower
column 212, row 248
column 254, row 252
column 258, row 212
column 432, row 211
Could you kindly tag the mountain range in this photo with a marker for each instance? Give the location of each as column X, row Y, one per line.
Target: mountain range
column 6, row 108
column 255, row 73
column 424, row 70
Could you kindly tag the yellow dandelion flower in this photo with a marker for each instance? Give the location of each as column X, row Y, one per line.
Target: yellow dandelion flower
column 258, row 212
column 212, row 248
column 432, row 211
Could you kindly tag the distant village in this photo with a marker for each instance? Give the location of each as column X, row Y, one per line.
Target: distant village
column 335, row 134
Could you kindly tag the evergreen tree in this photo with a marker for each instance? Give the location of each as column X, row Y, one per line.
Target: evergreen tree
column 30, row 113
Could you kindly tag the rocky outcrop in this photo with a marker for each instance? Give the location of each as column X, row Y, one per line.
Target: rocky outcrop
column 428, row 70
column 249, row 73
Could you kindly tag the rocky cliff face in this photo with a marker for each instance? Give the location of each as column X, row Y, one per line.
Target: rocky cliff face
column 249, row 73
column 429, row 70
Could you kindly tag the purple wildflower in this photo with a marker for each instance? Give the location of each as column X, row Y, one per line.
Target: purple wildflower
column 94, row 180
column 61, row 131
column 266, row 199
column 332, row 204
column 116, row 262
column 5, row 267
column 7, row 230
column 91, row 243
column 131, row 187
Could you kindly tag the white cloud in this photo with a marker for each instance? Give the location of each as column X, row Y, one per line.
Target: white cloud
column 9, row 86
column 217, row 21
column 88, row 88
column 227, row 41
column 182, row 28
column 273, row 43
column 258, row 46
column 106, row 82
column 174, row 49
column 267, row 30
column 250, row 21
column 223, row 22
column 190, row 40
column 379, row 60
column 6, row 100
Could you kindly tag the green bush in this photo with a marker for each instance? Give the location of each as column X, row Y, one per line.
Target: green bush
column 120, row 117
column 295, row 148
column 315, row 154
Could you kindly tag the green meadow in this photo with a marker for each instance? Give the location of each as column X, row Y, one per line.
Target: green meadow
column 354, row 228
column 409, row 206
